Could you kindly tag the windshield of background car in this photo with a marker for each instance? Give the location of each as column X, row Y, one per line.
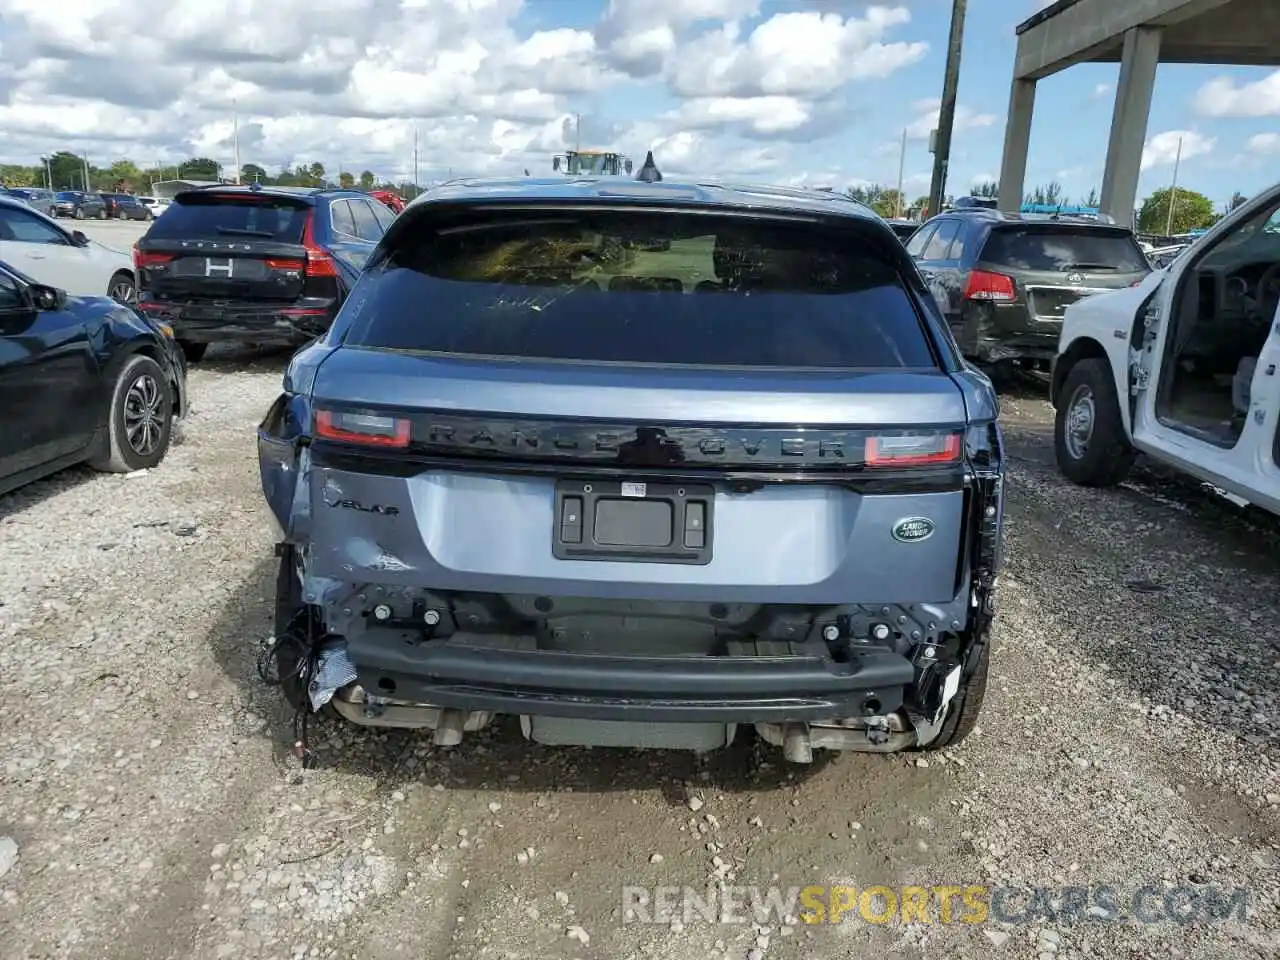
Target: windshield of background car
column 68, row 195
column 248, row 216
column 1055, row 247
column 638, row 287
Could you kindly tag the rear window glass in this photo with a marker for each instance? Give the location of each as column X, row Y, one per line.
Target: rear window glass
column 255, row 218
column 68, row 195
column 635, row 287
column 1055, row 248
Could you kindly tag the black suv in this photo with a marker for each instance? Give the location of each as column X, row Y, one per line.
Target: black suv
column 122, row 206
column 261, row 265
column 1004, row 280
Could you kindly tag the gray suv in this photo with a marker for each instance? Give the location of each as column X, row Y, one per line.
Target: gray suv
column 641, row 464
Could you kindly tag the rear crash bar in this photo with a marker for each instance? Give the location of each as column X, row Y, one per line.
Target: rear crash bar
column 757, row 689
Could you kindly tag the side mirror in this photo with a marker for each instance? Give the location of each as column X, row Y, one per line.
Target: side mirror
column 46, row 298
column 79, row 237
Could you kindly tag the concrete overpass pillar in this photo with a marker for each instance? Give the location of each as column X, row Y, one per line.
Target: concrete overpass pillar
column 1129, row 122
column 1017, row 142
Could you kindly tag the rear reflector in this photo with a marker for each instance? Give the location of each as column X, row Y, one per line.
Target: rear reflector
column 910, row 450
column 366, row 429
column 276, row 264
column 988, row 286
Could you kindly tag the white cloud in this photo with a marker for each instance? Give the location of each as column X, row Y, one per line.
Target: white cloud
column 1267, row 144
column 979, row 179
column 928, row 111
column 1101, row 90
column 346, row 82
column 1220, row 97
column 1163, row 148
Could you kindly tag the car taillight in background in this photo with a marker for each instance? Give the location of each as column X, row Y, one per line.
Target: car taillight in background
column 989, row 286
column 319, row 263
column 143, row 259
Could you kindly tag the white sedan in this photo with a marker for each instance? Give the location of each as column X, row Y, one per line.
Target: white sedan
column 45, row 251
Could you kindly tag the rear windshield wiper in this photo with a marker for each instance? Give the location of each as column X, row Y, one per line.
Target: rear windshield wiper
column 1089, row 266
column 239, row 232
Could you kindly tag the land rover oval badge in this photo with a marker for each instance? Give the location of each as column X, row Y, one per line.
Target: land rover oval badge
column 913, row 529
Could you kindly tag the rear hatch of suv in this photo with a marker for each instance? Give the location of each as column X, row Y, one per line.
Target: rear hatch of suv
column 1027, row 274
column 1052, row 265
column 236, row 255
column 617, row 402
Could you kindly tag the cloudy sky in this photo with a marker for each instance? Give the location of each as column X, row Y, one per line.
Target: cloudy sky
column 779, row 90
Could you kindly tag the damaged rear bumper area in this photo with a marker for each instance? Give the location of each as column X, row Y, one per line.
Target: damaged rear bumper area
column 623, row 673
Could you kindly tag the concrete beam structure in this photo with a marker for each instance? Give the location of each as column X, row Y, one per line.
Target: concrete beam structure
column 1138, row 34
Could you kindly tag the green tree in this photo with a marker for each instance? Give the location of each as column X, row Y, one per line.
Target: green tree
column 367, row 180
column 986, row 188
column 1091, row 200
column 67, row 171
column 15, row 175
column 126, row 172
column 252, row 173
column 346, row 180
column 199, row 168
column 316, row 171
column 1191, row 211
column 1049, row 194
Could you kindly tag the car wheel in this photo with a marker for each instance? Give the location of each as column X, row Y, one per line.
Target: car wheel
column 1089, row 441
column 141, row 419
column 121, row 288
column 194, row 352
column 79, row 214
column 102, row 215
column 122, row 215
column 963, row 710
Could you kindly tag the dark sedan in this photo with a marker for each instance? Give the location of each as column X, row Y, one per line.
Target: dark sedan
column 79, row 205
column 82, row 379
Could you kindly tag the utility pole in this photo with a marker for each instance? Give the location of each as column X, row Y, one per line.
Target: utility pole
column 577, row 132
column 85, row 159
column 235, row 138
column 416, row 178
column 902, row 166
column 1173, row 190
column 48, row 173
column 947, row 112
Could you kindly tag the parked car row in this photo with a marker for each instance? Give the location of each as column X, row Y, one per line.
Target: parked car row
column 80, row 205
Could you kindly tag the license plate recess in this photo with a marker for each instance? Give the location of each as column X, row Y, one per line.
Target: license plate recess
column 633, row 521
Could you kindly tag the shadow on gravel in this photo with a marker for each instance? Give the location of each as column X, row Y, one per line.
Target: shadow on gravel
column 14, row 503
column 242, row 358
column 495, row 758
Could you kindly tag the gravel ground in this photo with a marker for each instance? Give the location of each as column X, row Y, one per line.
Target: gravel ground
column 150, row 807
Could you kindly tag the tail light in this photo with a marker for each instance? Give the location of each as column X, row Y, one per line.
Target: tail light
column 913, row 450
column 365, row 429
column 276, row 263
column 142, row 259
column 989, row 286
column 319, row 263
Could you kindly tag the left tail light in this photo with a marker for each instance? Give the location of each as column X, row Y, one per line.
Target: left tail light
column 142, row 258
column 363, row 429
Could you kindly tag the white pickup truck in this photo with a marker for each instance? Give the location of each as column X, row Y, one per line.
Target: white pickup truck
column 1183, row 367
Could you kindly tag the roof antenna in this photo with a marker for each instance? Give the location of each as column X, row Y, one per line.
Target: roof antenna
column 649, row 172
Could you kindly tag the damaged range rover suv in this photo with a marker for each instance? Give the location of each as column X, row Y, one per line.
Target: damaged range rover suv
column 640, row 464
